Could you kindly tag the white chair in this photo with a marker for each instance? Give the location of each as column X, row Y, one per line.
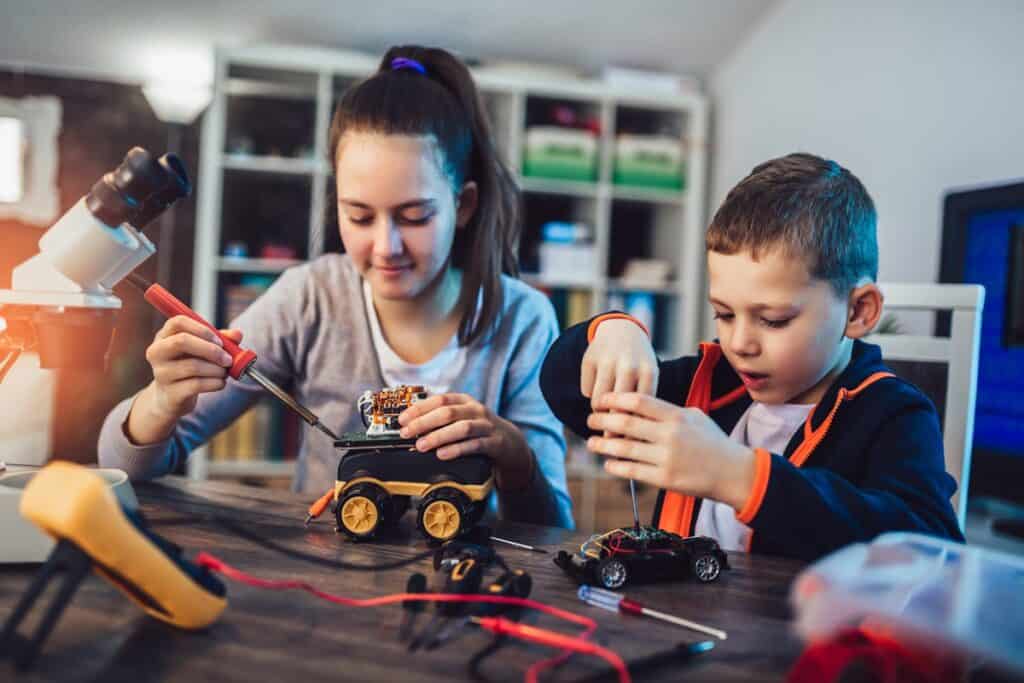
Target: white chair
column 959, row 353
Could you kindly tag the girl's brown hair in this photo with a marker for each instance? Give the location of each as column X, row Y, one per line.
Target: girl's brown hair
column 444, row 103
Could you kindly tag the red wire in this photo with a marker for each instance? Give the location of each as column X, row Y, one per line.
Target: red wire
column 537, row 635
column 204, row 559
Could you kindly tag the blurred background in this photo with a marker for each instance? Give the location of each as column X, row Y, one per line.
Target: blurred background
column 626, row 123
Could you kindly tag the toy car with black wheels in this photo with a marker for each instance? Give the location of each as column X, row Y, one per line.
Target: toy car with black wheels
column 626, row 555
column 378, row 479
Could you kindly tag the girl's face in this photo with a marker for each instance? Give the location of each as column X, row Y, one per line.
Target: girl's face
column 397, row 211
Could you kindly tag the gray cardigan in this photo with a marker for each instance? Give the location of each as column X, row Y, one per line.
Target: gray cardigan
column 311, row 335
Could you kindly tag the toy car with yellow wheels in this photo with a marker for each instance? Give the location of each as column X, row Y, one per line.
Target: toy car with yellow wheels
column 376, row 485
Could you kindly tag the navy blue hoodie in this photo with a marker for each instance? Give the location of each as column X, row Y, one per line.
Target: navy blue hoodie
column 868, row 460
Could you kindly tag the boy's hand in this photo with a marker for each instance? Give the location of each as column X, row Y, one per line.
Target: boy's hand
column 675, row 448
column 620, row 359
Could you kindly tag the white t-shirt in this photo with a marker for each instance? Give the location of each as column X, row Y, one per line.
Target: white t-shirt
column 763, row 426
column 436, row 375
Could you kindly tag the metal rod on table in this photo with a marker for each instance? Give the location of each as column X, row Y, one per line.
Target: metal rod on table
column 685, row 623
column 518, row 544
column 636, row 509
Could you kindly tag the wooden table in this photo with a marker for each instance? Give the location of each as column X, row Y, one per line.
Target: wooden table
column 292, row 636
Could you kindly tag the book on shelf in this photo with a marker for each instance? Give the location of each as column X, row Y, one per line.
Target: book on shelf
column 577, row 307
column 571, row 306
column 238, row 297
column 266, row 431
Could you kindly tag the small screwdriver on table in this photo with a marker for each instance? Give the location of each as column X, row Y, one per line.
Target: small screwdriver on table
column 614, row 602
column 242, row 360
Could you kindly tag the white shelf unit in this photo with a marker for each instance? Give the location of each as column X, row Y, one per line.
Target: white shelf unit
column 316, row 77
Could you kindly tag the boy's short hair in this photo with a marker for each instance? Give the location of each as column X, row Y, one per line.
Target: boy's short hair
column 813, row 208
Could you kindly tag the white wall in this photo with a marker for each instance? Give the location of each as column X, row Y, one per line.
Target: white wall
column 914, row 97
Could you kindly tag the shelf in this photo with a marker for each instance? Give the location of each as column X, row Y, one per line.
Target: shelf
column 670, row 289
column 641, row 194
column 250, row 87
column 252, row 468
column 267, row 164
column 570, row 188
column 548, row 282
column 234, row 264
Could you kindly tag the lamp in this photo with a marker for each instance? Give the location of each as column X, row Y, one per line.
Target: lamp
column 178, row 103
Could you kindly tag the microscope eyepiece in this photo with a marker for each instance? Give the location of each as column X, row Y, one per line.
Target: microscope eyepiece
column 139, row 189
column 175, row 185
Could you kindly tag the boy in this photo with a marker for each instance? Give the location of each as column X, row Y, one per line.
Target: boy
column 789, row 436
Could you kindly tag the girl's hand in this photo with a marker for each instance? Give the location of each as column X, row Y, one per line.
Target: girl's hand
column 457, row 424
column 187, row 360
column 675, row 448
column 621, row 359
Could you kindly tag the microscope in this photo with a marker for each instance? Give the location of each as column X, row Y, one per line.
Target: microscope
column 61, row 303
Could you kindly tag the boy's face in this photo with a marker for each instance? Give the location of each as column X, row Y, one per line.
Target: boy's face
column 779, row 328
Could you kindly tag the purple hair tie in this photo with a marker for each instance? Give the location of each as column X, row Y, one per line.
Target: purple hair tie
column 399, row 63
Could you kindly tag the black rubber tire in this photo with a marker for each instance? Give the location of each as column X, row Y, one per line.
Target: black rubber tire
column 706, row 567
column 453, row 528
column 612, row 573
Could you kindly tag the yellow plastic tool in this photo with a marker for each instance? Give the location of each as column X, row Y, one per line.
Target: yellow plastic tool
column 93, row 531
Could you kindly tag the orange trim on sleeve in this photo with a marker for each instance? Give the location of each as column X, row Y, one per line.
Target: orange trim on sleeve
column 762, row 470
column 592, row 328
column 812, row 437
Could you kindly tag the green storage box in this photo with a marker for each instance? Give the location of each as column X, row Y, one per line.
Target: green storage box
column 649, row 161
column 560, row 154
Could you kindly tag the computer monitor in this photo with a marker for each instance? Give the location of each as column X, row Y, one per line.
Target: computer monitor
column 983, row 243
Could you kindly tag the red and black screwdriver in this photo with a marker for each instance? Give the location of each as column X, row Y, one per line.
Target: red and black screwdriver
column 242, row 360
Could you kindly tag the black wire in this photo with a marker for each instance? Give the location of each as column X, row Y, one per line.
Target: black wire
column 478, row 658
column 243, row 532
column 315, row 559
column 253, row 537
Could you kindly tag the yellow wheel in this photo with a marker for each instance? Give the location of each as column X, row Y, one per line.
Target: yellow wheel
column 359, row 514
column 441, row 520
column 360, row 511
column 442, row 514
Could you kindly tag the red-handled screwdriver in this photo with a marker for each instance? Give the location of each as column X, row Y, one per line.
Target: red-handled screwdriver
column 242, row 360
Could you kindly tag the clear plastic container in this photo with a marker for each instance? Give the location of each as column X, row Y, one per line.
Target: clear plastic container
column 962, row 597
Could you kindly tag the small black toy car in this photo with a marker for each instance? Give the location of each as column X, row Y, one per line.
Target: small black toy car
column 643, row 555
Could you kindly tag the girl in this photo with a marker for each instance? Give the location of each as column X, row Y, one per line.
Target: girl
column 423, row 295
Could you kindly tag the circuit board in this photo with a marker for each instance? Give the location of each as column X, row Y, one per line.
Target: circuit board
column 361, row 441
